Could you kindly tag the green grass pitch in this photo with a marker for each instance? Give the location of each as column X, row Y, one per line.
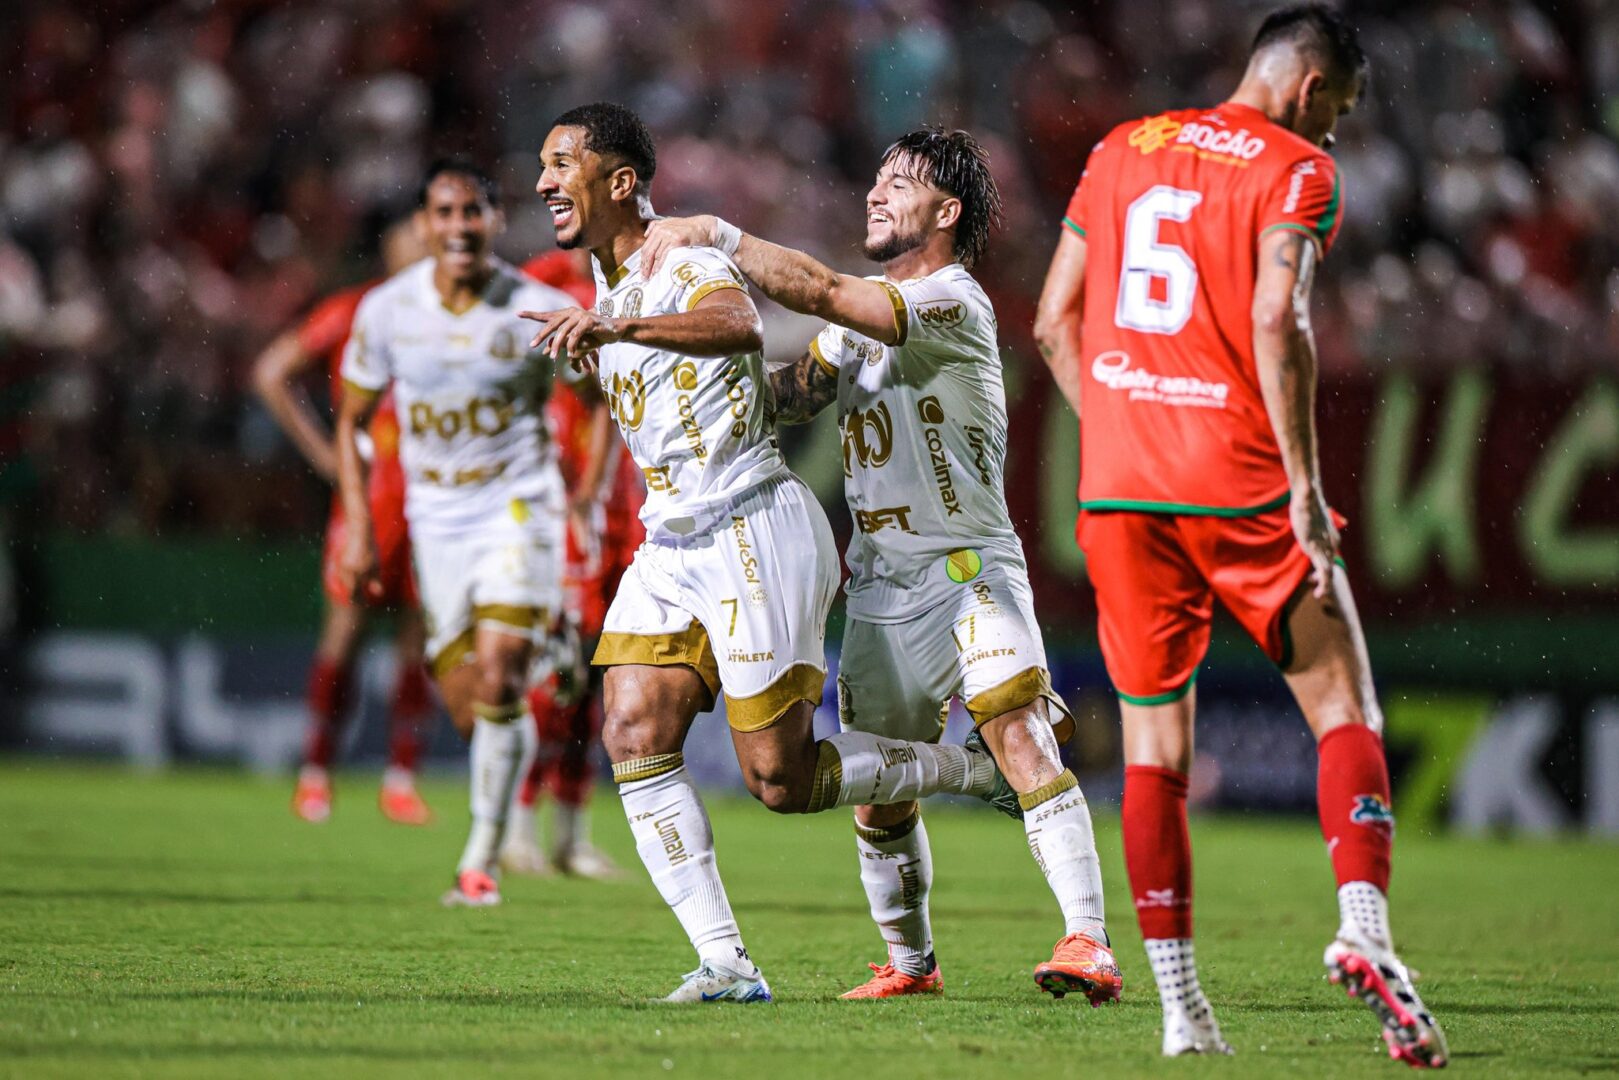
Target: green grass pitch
column 185, row 924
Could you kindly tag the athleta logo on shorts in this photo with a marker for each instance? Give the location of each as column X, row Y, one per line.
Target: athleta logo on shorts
column 1371, row 810
column 1112, row 369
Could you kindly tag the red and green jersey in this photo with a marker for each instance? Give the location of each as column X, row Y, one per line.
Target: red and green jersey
column 1172, row 208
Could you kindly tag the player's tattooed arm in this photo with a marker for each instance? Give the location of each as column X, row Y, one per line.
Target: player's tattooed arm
column 791, row 278
column 1284, row 352
column 802, row 389
column 1057, row 319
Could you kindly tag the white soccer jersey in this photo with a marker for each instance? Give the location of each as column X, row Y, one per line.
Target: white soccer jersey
column 697, row 426
column 924, row 443
column 469, row 444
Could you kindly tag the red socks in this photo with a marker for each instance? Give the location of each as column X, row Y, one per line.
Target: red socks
column 1352, row 794
column 562, row 764
column 1158, row 851
column 330, row 684
column 412, row 704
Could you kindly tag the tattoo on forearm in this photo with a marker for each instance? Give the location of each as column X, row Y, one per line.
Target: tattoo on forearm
column 802, row 389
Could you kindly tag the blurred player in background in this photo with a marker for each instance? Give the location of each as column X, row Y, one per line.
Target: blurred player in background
column 939, row 599
column 731, row 590
column 322, row 338
column 566, row 697
column 484, row 497
column 1176, row 312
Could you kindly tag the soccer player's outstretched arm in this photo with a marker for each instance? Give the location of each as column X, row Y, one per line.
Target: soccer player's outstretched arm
column 791, row 278
column 357, row 565
column 1284, row 351
column 274, row 374
column 1057, row 319
column 802, row 389
column 722, row 323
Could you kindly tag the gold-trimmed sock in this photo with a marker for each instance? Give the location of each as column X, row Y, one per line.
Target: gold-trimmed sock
column 1067, row 781
column 887, row 834
column 498, row 714
column 828, row 778
column 645, row 768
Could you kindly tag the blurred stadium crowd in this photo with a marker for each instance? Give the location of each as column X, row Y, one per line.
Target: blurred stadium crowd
column 178, row 181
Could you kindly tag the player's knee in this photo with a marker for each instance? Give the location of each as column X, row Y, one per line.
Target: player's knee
column 777, row 789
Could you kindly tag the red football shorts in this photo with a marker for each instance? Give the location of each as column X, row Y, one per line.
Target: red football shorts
column 393, row 552
column 591, row 579
column 1157, row 577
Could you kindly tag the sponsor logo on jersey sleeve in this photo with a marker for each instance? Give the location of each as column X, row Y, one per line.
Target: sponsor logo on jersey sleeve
column 942, row 314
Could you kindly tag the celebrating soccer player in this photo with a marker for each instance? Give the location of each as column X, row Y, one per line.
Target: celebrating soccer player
column 1176, row 320
column 484, row 498
column 324, row 335
column 939, row 602
column 731, row 589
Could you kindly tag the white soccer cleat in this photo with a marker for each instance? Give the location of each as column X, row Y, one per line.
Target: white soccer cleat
column 713, row 983
column 1193, row 1031
column 1376, row 976
column 587, row 861
column 524, row 857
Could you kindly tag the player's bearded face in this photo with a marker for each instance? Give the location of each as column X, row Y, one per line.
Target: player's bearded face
column 900, row 210
column 1320, row 105
column 568, row 182
column 460, row 225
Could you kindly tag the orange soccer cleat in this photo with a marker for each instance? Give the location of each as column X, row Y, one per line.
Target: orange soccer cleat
column 312, row 800
column 888, row 981
column 402, row 804
column 1079, row 965
column 473, row 888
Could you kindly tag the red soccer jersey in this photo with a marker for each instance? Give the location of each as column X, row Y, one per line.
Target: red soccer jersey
column 326, row 333
column 1172, row 209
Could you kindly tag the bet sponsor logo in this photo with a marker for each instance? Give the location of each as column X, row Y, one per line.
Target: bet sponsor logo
column 870, row 521
column 1214, row 139
column 942, row 315
column 1112, row 369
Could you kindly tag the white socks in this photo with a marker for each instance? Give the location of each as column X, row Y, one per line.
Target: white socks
column 876, row 771
column 896, row 868
column 675, row 842
column 1363, row 914
column 1175, row 969
column 501, row 751
column 1058, row 824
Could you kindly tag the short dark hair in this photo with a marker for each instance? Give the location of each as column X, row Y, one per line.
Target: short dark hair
column 615, row 132
column 1319, row 30
column 953, row 162
column 459, row 166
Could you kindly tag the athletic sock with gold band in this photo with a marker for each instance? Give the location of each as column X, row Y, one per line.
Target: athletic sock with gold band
column 676, row 844
column 896, row 868
column 1058, row 824
column 859, row 769
column 502, row 746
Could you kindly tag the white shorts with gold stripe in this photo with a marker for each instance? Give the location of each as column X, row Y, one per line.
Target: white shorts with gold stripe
column 744, row 605
column 981, row 645
column 505, row 573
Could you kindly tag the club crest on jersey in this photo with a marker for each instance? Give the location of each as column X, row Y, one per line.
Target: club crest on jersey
column 1371, row 810
column 632, row 304
column 503, row 346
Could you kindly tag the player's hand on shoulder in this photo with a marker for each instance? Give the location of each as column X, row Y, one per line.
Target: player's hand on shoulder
column 666, row 234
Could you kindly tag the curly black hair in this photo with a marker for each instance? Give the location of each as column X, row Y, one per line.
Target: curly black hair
column 1319, row 30
column 459, row 166
column 953, row 162
column 617, row 134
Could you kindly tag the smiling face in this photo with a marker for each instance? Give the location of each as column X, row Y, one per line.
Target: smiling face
column 460, row 224
column 902, row 210
column 577, row 187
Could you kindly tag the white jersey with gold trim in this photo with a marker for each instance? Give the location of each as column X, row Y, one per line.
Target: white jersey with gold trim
column 924, row 445
column 697, row 426
column 469, row 443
